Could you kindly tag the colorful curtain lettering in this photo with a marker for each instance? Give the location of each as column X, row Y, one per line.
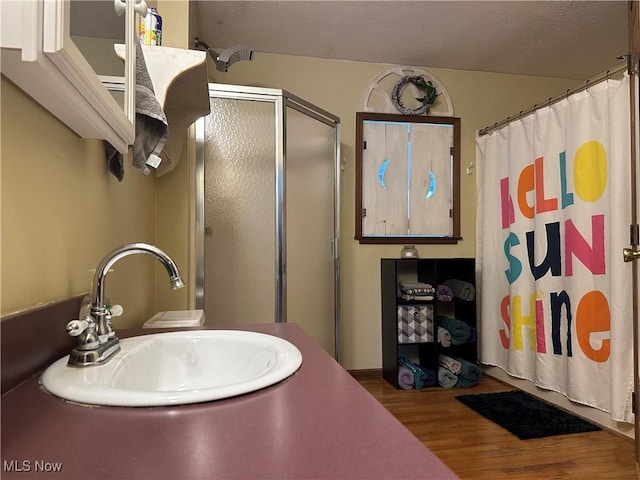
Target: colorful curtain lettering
column 553, row 218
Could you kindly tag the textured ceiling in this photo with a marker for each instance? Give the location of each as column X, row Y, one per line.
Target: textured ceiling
column 570, row 39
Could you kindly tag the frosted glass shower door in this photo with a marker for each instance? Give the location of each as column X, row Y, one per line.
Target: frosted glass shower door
column 239, row 206
column 310, row 226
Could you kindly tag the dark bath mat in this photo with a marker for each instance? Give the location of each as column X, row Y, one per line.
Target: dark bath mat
column 525, row 416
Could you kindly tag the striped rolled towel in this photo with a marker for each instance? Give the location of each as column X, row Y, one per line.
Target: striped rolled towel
column 417, row 289
column 451, row 364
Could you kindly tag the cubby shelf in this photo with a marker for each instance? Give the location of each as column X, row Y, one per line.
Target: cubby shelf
column 434, row 272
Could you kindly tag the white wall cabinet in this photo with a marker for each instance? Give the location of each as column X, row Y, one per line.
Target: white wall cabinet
column 40, row 57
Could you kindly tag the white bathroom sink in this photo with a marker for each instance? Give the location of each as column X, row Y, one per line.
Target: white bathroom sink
column 176, row 368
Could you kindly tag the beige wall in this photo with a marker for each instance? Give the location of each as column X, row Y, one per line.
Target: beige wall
column 62, row 212
column 339, row 86
column 73, row 212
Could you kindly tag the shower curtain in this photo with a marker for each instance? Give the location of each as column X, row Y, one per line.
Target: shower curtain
column 553, row 218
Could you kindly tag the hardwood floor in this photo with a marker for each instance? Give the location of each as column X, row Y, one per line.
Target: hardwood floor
column 476, row 448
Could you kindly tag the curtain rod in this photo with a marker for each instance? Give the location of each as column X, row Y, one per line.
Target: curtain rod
column 552, row 100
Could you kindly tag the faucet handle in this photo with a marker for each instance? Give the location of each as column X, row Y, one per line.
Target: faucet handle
column 115, row 310
column 76, row 327
column 112, row 311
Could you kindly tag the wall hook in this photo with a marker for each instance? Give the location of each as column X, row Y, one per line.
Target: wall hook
column 469, row 169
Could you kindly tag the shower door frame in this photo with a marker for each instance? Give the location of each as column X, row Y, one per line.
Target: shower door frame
column 633, row 69
column 281, row 100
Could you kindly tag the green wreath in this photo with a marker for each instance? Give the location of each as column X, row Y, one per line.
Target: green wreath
column 426, row 101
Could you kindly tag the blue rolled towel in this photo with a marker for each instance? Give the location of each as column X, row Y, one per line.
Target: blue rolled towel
column 458, row 329
column 405, row 378
column 469, row 375
column 427, row 376
column 473, row 337
column 446, row 378
column 461, row 289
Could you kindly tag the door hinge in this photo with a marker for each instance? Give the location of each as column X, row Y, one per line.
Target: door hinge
column 451, row 151
column 451, row 213
column 364, row 145
column 364, row 212
column 634, row 234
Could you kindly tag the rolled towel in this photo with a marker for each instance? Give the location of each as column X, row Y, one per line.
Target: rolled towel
column 427, row 376
column 444, row 337
column 461, row 289
column 473, row 336
column 418, row 377
column 444, row 293
column 469, row 375
column 405, row 378
column 458, row 329
column 451, row 364
column 446, row 378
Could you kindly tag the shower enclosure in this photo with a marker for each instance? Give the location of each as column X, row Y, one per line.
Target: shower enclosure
column 267, row 182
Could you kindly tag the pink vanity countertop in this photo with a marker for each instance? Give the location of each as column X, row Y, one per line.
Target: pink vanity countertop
column 318, row 424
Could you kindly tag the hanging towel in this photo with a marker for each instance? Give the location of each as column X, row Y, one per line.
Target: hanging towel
column 114, row 161
column 405, row 378
column 461, row 289
column 444, row 337
column 459, row 330
column 451, row 364
column 151, row 125
column 446, row 378
column 469, row 375
column 151, row 122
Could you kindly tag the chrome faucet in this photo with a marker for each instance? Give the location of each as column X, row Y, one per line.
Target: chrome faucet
column 97, row 341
